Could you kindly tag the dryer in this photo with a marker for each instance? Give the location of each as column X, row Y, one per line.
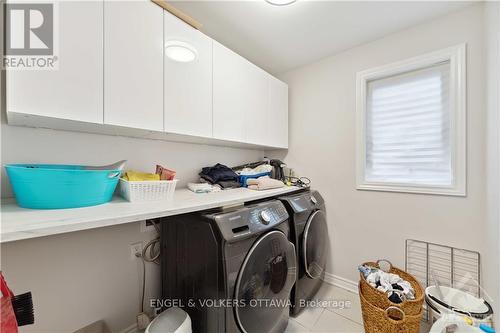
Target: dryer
column 231, row 271
column 309, row 233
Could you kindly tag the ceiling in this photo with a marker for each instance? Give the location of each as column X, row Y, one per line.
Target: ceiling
column 279, row 38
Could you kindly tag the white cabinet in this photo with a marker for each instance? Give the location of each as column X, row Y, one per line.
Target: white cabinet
column 267, row 123
column 133, row 64
column 113, row 70
column 188, row 85
column 239, row 95
column 277, row 114
column 249, row 105
column 74, row 91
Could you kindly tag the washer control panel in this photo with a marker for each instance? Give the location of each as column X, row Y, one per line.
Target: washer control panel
column 248, row 220
column 267, row 214
column 264, row 216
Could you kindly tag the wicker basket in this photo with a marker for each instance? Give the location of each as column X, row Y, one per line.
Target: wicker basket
column 152, row 190
column 389, row 320
column 380, row 299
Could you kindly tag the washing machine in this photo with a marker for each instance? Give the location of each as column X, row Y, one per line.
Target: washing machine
column 230, row 270
column 309, row 233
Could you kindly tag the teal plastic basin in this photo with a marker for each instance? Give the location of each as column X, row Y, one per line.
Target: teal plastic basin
column 54, row 186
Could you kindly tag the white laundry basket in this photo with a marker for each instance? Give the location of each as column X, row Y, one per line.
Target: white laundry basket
column 459, row 302
column 152, row 190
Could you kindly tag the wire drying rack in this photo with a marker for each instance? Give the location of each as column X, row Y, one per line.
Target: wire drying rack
column 452, row 267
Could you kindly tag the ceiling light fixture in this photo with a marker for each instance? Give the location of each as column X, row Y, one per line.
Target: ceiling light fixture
column 280, row 2
column 180, row 51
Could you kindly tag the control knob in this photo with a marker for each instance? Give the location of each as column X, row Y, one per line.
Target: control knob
column 265, row 217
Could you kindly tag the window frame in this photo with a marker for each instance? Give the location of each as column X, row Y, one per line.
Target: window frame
column 456, row 55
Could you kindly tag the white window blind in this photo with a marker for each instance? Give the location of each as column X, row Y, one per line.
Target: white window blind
column 408, row 124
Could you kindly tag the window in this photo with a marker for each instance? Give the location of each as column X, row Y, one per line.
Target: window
column 411, row 125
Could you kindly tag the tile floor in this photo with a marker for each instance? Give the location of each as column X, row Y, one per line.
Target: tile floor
column 332, row 318
column 341, row 317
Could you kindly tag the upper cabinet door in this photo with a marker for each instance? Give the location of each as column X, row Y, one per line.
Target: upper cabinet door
column 278, row 113
column 188, row 84
column 257, row 114
column 74, row 90
column 239, row 95
column 133, row 64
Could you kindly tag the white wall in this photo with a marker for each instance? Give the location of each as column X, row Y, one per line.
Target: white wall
column 366, row 225
column 78, row 278
column 492, row 276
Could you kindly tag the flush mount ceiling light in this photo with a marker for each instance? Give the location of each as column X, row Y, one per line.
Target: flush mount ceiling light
column 280, row 2
column 180, row 51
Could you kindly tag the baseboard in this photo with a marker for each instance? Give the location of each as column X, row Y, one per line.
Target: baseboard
column 131, row 329
column 341, row 282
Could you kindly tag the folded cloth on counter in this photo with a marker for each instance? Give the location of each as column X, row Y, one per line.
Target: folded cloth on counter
column 203, row 187
column 217, row 173
column 397, row 289
column 264, row 183
column 227, row 184
column 135, row 176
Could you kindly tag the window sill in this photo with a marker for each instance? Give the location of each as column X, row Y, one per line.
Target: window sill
column 457, row 192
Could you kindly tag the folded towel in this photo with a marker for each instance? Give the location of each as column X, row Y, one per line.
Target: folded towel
column 139, row 176
column 200, row 187
column 264, row 183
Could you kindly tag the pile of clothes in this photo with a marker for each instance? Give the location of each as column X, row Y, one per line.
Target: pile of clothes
column 249, row 171
column 396, row 288
column 221, row 175
column 258, row 176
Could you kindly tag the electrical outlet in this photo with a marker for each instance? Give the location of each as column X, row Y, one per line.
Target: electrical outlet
column 147, row 226
column 135, row 248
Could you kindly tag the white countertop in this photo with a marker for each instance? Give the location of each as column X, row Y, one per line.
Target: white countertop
column 20, row 223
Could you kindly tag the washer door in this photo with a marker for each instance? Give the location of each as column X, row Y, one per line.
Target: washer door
column 264, row 282
column 314, row 244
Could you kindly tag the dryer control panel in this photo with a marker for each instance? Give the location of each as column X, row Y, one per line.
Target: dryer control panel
column 249, row 220
column 305, row 201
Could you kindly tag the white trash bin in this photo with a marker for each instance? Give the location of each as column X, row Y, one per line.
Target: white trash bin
column 170, row 321
column 457, row 302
